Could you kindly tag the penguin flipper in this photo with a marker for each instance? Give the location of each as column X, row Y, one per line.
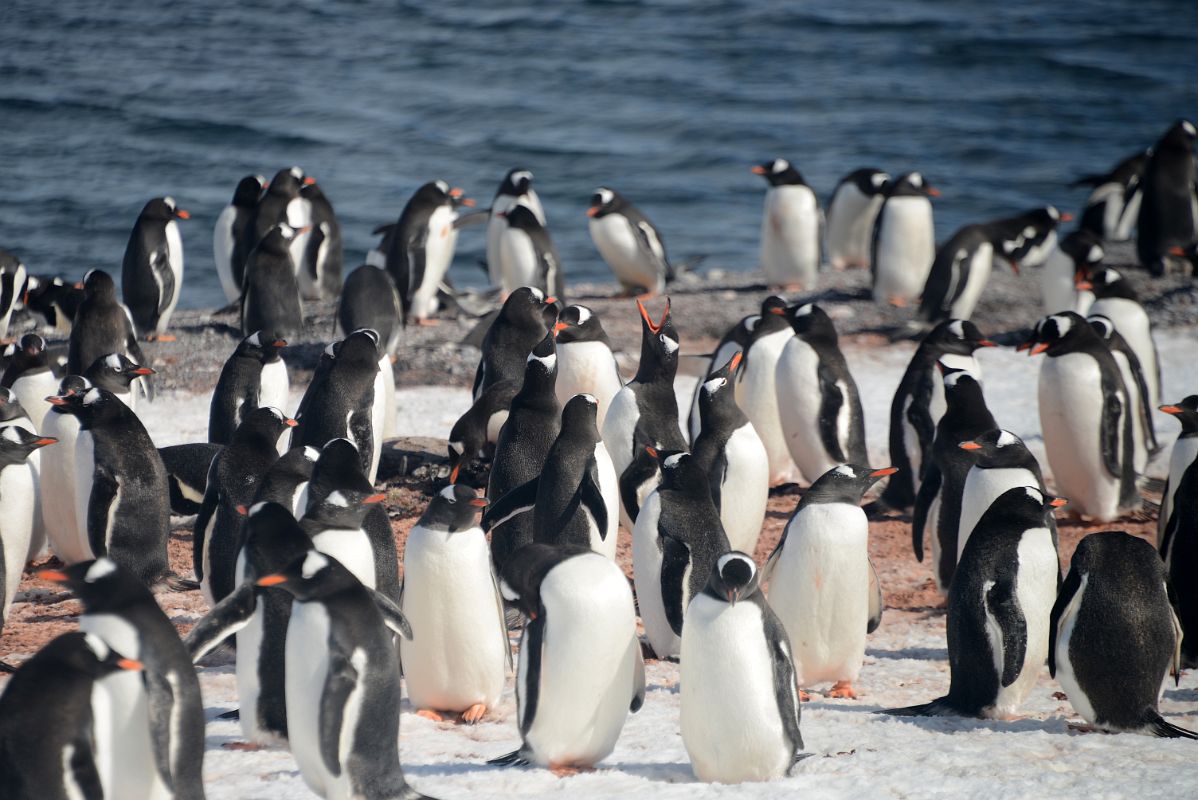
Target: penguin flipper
column 1004, row 607
column 339, row 683
column 920, row 416
column 161, row 706
column 393, row 616
column 160, row 264
column 940, row 707
column 226, row 618
column 928, row 490
column 383, row 230
column 105, row 489
column 1112, row 412
column 203, row 518
column 638, row 677
column 1175, row 661
column 516, row 501
column 642, row 468
column 876, row 603
column 675, row 558
column 534, row 640
column 507, row 646
column 83, row 769
column 829, row 412
column 786, row 689
column 592, row 497
column 1064, row 597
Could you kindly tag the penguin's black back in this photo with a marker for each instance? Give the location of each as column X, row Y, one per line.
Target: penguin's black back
column 270, row 299
column 100, row 327
column 369, row 300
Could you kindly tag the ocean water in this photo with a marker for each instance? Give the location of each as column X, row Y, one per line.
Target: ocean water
column 106, row 104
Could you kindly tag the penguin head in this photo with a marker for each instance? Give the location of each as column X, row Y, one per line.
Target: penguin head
column 101, row 585
column 526, row 308
column 517, row 182
column 115, row 372
column 996, row 448
column 845, row 483
column 248, row 191
column 868, row 180
column 1102, row 326
column 733, row 578
column 339, row 493
column 17, row 443
column 522, row 574
column 277, row 241
column 263, row 347
column 779, row 172
column 1180, row 136
column 541, row 363
column 272, row 535
column 10, row 405
column 659, row 343
column 84, row 653
column 578, row 324
column 311, row 190
column 679, row 471
column 164, row 209
column 264, row 426
column 98, row 285
column 70, row 390
column 455, row 508
column 956, row 336
column 438, row 193
column 579, row 415
column 811, row 323
column 603, row 202
column 1058, row 334
column 962, row 387
column 1186, row 412
column 32, row 349
column 1018, row 509
column 1104, row 282
column 717, row 401
column 311, row 576
column 360, row 349
column 286, row 183
column 1084, row 248
column 910, row 184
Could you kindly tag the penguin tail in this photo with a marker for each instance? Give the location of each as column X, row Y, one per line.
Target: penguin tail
column 1159, row 726
column 940, row 707
column 6, row 668
column 516, row 758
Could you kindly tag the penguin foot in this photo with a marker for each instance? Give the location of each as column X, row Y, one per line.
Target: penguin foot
column 429, row 714
column 843, row 689
column 789, row 288
column 804, row 696
column 162, row 337
column 897, row 302
column 428, row 323
column 473, row 714
column 248, row 747
column 568, row 771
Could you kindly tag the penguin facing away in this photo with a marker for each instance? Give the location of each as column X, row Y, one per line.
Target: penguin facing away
column 286, row 482
column 904, row 242
column 1181, row 456
column 756, row 387
column 515, row 190
column 270, row 299
column 585, row 362
column 152, row 271
column 319, row 265
column 101, row 326
column 1168, row 214
column 852, row 212
column 230, row 227
column 789, row 227
column 514, row 332
column 629, row 243
column 369, row 300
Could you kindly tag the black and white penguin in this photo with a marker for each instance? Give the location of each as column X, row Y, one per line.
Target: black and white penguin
column 585, row 362
column 476, row 432
column 153, row 745
column 822, row 584
column 253, row 377
column 14, row 282
column 998, row 609
column 101, row 326
column 1168, row 215
column 1115, row 299
column 517, row 328
column 1109, row 202
column 735, row 340
column 319, row 265
column 1078, row 252
column 116, row 373
column 55, row 299
column 48, row 751
column 270, row 299
column 1030, row 237
column 756, row 388
column 938, row 502
column 904, row 242
column 645, row 414
column 152, row 272
column 30, row 375
column 1183, row 453
column 18, row 507
column 342, row 682
column 580, row 670
column 232, row 482
column 1114, row 638
column 369, row 300
column 286, row 482
column 1179, row 550
column 281, row 203
column 675, row 543
column 852, row 211
column 422, row 248
column 515, row 190
column 459, row 655
column 230, row 228
column 527, row 255
column 818, row 403
column 961, row 269
column 1001, row 461
column 575, row 499
column 1136, row 383
column 789, row 227
column 739, row 703
column 67, row 537
column 918, row 403
column 532, row 426
column 187, row 468
column 629, row 243
column 729, row 450
column 1088, row 434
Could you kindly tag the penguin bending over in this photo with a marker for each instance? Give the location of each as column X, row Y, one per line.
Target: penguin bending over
column 1108, row 203
column 1181, row 456
column 1079, row 252
column 369, row 300
column 852, row 212
column 735, row 340
column 789, row 228
column 152, row 271
column 254, row 377
column 187, row 468
column 507, row 343
column 962, row 268
column 286, row 482
column 422, row 248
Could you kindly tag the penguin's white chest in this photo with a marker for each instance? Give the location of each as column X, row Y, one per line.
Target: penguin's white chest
column 32, row 389
column 619, row 427
column 57, row 489
column 757, row 396
column 746, row 488
column 351, row 548
column 979, row 265
column 790, row 235
column 646, row 575
column 906, row 247
column 222, row 252
column 439, row 247
column 1057, row 289
column 518, row 260
column 851, row 218
column 1035, row 592
column 617, row 243
column 17, row 503
column 799, row 405
column 174, row 244
column 274, row 386
column 85, row 471
column 982, row 488
column 587, row 368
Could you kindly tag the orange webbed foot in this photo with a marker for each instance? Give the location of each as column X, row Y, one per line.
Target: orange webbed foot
column 843, row 689
column 429, row 714
column 473, row 714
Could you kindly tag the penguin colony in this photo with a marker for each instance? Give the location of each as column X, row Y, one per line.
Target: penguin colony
column 294, row 553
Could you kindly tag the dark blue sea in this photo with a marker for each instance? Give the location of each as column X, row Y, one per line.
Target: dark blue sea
column 106, row 104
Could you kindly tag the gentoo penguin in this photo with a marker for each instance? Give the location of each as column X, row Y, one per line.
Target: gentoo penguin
column 369, row 300
column 18, row 506
column 459, row 654
column 13, row 283
column 1179, row 550
column 1181, row 456
column 1001, row 461
column 527, row 255
column 345, row 403
column 532, row 426
column 230, row 228
column 422, row 248
column 67, row 537
column 1088, row 434
column 575, row 499
column 961, row 269
column 511, row 336
column 580, row 670
column 101, row 326
column 756, row 387
column 116, row 373
column 1105, row 207
column 12, row 413
column 852, row 212
column 152, row 272
column 1077, row 253
column 515, row 190
column 281, row 203
column 1115, row 299
column 270, row 299
column 789, row 227
column 918, row 403
column 818, row 404
column 822, row 584
column 254, row 376
column 232, row 481
column 1113, row 636
column 729, row 450
column 319, row 265
column 286, row 482
column 677, row 538
column 48, row 750
column 998, row 609
column 1169, row 208
column 55, row 299
column 645, row 414
column 122, row 501
column 735, row 340
column 476, row 432
column 153, row 745
column 342, row 682
column 1030, row 237
column 904, row 243
column 187, row 468
column 1136, row 383
column 629, row 243
column 938, row 502
column 739, row 704
column 585, row 362
column 31, row 377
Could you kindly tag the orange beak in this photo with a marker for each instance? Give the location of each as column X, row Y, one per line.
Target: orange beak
column 560, row 326
column 453, row 475
column 130, row 664
column 45, row 440
column 143, row 371
column 467, row 202
column 1170, row 409
column 970, row 446
column 278, row 343
column 53, row 575
column 757, row 169
column 986, row 343
column 651, row 451
column 181, row 214
column 271, row 580
column 374, row 498
column 1081, row 284
column 1177, row 251
column 1014, row 266
column 305, row 229
column 882, row 473
column 933, row 192
column 456, row 192
column 242, row 511
column 56, row 400
column 291, row 423
column 1038, row 349
column 1066, row 217
column 733, row 365
column 550, row 301
column 79, row 285
column 1024, row 346
column 592, row 211
column 1057, row 502
column 309, row 180
column 779, row 311
column 478, row 502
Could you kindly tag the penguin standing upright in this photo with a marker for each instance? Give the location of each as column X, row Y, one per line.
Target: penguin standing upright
column 580, row 669
column 369, row 300
column 270, row 300
column 515, row 190
column 739, row 704
column 818, row 402
column 319, row 266
column 904, row 242
column 253, row 377
column 1078, row 252
column 735, row 340
column 629, row 243
column 1179, row 550
column 152, row 272
column 1168, row 215
column 422, row 248
column 230, row 228
column 918, row 403
column 12, row 278
column 64, row 530
column 757, row 387
column 1001, row 461
column 1181, row 456
column 1115, row 299
column 1113, row 636
column 1136, row 383
column 18, row 507
column 519, row 325
column 101, row 326
column 585, row 362
column 1107, row 204
column 527, row 255
column 153, row 745
column 31, row 377
column 852, row 212
column 789, row 228
column 998, row 609
column 822, row 584
column 281, row 203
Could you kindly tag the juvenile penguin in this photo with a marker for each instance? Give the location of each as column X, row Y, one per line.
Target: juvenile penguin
column 66, row 534
column 818, row 404
column 515, row 190
column 1134, row 380
column 254, row 377
column 459, row 654
column 1183, row 453
column 116, row 373
column 1169, row 209
column 18, row 507
column 270, row 299
column 739, row 704
column 1107, row 203
column 1113, row 636
column 580, row 670
column 852, row 212
column 822, row 584
column 918, row 403
column 48, row 751
column 527, row 255
column 629, row 243
column 789, row 227
column 904, row 242
column 319, row 265
column 998, row 609
column 31, row 377
column 757, row 387
column 1001, row 461
column 1078, row 253
column 585, row 362
column 230, row 228
column 152, row 272
column 422, row 248
column 735, row 340
column 101, row 326
column 1115, row 299
column 508, row 341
